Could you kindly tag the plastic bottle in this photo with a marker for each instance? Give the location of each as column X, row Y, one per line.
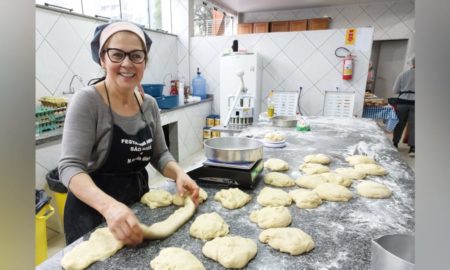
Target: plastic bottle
column 270, row 105
column 181, row 92
column 199, row 86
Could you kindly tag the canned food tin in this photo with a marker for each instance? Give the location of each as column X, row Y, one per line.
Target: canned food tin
column 206, row 133
column 215, row 134
column 210, row 121
column 217, row 120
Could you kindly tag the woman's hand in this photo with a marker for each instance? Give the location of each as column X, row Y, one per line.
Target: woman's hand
column 185, row 185
column 123, row 224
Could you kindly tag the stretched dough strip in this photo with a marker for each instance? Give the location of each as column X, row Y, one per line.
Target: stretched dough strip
column 102, row 244
column 164, row 229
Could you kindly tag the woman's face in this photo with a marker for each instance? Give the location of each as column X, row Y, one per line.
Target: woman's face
column 124, row 75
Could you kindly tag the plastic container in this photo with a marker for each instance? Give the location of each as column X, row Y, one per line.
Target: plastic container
column 167, row 102
column 154, row 90
column 43, row 212
column 181, row 92
column 199, row 86
column 59, row 192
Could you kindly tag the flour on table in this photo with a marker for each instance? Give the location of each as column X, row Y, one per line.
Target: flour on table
column 333, row 192
column 157, row 198
column 278, row 179
column 317, row 158
column 230, row 251
column 290, row 240
column 273, row 197
column 271, row 217
column 305, row 198
column 209, row 226
column 175, row 258
column 374, row 190
column 232, row 198
column 313, row 168
column 276, row 164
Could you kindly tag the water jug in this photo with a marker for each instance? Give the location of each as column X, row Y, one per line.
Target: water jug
column 199, row 86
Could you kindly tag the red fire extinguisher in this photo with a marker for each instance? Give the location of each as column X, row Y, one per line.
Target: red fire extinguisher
column 347, row 67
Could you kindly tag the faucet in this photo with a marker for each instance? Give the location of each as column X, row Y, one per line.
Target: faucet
column 71, row 88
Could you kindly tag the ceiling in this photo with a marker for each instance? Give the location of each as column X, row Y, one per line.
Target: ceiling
column 242, row 6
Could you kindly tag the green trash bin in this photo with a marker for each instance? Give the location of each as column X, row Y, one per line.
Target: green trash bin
column 59, row 192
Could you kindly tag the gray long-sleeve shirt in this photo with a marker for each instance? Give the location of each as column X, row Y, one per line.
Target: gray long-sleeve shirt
column 87, row 133
column 405, row 82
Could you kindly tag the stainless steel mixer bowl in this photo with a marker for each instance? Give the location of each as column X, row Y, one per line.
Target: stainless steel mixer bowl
column 233, row 149
column 284, row 121
column 394, row 251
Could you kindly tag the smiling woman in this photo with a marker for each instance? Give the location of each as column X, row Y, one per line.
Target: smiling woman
column 111, row 133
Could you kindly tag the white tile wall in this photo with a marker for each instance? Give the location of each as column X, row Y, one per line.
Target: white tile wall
column 290, row 60
column 391, row 20
column 63, row 49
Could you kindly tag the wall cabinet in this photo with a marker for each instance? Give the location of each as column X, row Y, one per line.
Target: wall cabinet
column 279, row 26
column 245, row 28
column 300, row 25
column 261, row 27
column 319, row 23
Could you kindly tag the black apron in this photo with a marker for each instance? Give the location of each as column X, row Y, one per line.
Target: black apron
column 122, row 175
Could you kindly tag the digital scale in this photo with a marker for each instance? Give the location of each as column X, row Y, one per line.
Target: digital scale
column 243, row 175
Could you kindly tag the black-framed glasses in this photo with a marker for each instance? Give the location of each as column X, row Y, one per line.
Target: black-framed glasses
column 117, row 55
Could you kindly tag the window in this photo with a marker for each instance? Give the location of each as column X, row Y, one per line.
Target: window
column 211, row 21
column 75, row 5
column 135, row 11
column 153, row 14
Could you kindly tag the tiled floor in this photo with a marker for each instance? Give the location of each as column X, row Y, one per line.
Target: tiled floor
column 57, row 242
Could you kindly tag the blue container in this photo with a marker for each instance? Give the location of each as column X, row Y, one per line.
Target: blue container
column 199, row 86
column 167, row 102
column 154, row 90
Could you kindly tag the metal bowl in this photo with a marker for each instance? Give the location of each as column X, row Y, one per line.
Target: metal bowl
column 233, row 149
column 284, row 121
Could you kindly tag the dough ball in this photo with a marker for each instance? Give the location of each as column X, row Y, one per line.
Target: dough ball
column 232, row 198
column 359, row 159
column 313, row 168
column 275, row 164
column 271, row 217
column 278, row 179
column 290, row 240
column 310, row 181
column 337, row 179
column 317, row 158
column 209, row 226
column 333, row 192
column 373, row 190
column 273, row 197
column 101, row 245
column 370, row 169
column 178, row 200
column 230, row 251
column 274, row 137
column 350, row 173
column 175, row 259
column 305, row 198
column 157, row 198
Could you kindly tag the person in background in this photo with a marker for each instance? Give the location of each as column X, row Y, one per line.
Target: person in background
column 111, row 133
column 404, row 86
